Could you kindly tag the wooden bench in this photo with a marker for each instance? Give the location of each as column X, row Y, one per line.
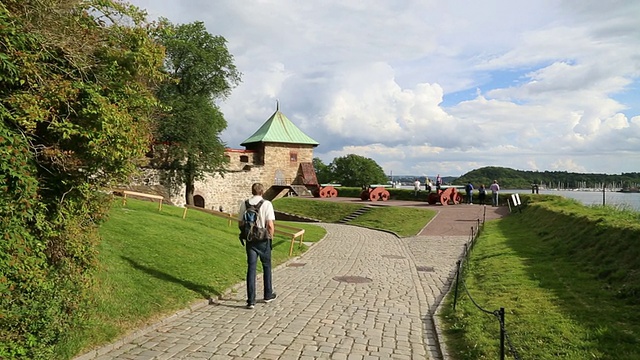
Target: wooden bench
column 139, row 194
column 280, row 229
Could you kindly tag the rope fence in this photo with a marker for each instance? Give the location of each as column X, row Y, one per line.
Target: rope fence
column 500, row 313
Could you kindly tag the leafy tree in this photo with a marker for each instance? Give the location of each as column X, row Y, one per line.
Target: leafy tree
column 202, row 71
column 323, row 171
column 356, row 170
column 76, row 95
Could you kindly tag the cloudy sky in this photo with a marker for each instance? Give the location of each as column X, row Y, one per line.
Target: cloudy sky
column 426, row 87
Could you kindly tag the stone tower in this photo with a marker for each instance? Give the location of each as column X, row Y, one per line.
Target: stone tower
column 279, row 148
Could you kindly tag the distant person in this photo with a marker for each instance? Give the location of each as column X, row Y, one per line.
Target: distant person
column 469, row 189
column 438, row 183
column 416, row 187
column 427, row 185
column 482, row 194
column 495, row 188
column 260, row 246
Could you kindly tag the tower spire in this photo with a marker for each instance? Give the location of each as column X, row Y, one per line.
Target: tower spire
column 277, row 105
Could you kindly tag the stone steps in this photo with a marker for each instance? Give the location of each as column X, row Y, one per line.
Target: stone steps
column 301, row 190
column 355, row 214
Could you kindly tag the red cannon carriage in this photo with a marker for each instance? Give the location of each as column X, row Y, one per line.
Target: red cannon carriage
column 445, row 196
column 374, row 194
column 326, row 192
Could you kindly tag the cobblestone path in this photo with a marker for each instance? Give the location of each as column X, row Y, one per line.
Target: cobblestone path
column 357, row 294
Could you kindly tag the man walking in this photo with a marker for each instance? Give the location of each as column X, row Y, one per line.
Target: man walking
column 495, row 188
column 258, row 248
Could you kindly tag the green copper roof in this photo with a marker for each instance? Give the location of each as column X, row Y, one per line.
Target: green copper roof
column 279, row 129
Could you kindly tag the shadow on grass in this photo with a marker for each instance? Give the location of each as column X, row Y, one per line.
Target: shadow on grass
column 207, row 292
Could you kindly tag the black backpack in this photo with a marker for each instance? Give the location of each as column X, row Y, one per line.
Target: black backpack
column 250, row 230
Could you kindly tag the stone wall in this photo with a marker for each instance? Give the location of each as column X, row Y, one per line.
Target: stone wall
column 229, row 191
column 215, row 190
column 245, row 167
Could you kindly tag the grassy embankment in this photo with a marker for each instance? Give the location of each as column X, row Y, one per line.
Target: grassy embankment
column 154, row 263
column 404, row 221
column 568, row 277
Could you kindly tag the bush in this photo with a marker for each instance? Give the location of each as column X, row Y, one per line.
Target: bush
column 74, row 115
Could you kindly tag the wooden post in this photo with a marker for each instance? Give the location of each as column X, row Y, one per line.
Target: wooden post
column 291, row 246
column 184, row 212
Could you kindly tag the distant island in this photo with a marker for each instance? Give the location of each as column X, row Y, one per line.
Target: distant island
column 520, row 179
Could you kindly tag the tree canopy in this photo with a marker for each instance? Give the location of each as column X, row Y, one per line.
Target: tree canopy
column 356, row 170
column 76, row 103
column 323, row 171
column 201, row 70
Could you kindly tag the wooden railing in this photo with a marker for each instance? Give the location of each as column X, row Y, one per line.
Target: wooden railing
column 227, row 216
column 285, row 230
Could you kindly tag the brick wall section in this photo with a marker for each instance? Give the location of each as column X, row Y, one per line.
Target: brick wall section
column 279, row 164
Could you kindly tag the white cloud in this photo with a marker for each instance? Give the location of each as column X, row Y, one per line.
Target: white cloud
column 370, row 78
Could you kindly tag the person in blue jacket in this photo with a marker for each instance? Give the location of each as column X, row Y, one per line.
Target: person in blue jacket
column 469, row 190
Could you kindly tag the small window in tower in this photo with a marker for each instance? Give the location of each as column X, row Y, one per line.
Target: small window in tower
column 293, row 157
column 244, row 158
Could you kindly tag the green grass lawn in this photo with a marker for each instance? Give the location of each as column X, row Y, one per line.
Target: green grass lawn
column 154, row 263
column 404, row 221
column 324, row 211
column 547, row 272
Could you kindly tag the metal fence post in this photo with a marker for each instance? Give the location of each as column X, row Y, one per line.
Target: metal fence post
column 501, row 313
column 484, row 214
column 455, row 293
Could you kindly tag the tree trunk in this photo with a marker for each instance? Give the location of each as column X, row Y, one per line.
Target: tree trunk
column 189, row 184
column 190, row 189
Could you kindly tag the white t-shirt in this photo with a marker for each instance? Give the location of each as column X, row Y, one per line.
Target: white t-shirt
column 416, row 185
column 266, row 210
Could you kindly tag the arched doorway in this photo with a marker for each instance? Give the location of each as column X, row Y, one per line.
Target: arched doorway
column 198, row 201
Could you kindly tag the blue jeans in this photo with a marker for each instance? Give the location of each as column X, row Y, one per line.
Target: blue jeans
column 469, row 197
column 261, row 249
column 494, row 198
